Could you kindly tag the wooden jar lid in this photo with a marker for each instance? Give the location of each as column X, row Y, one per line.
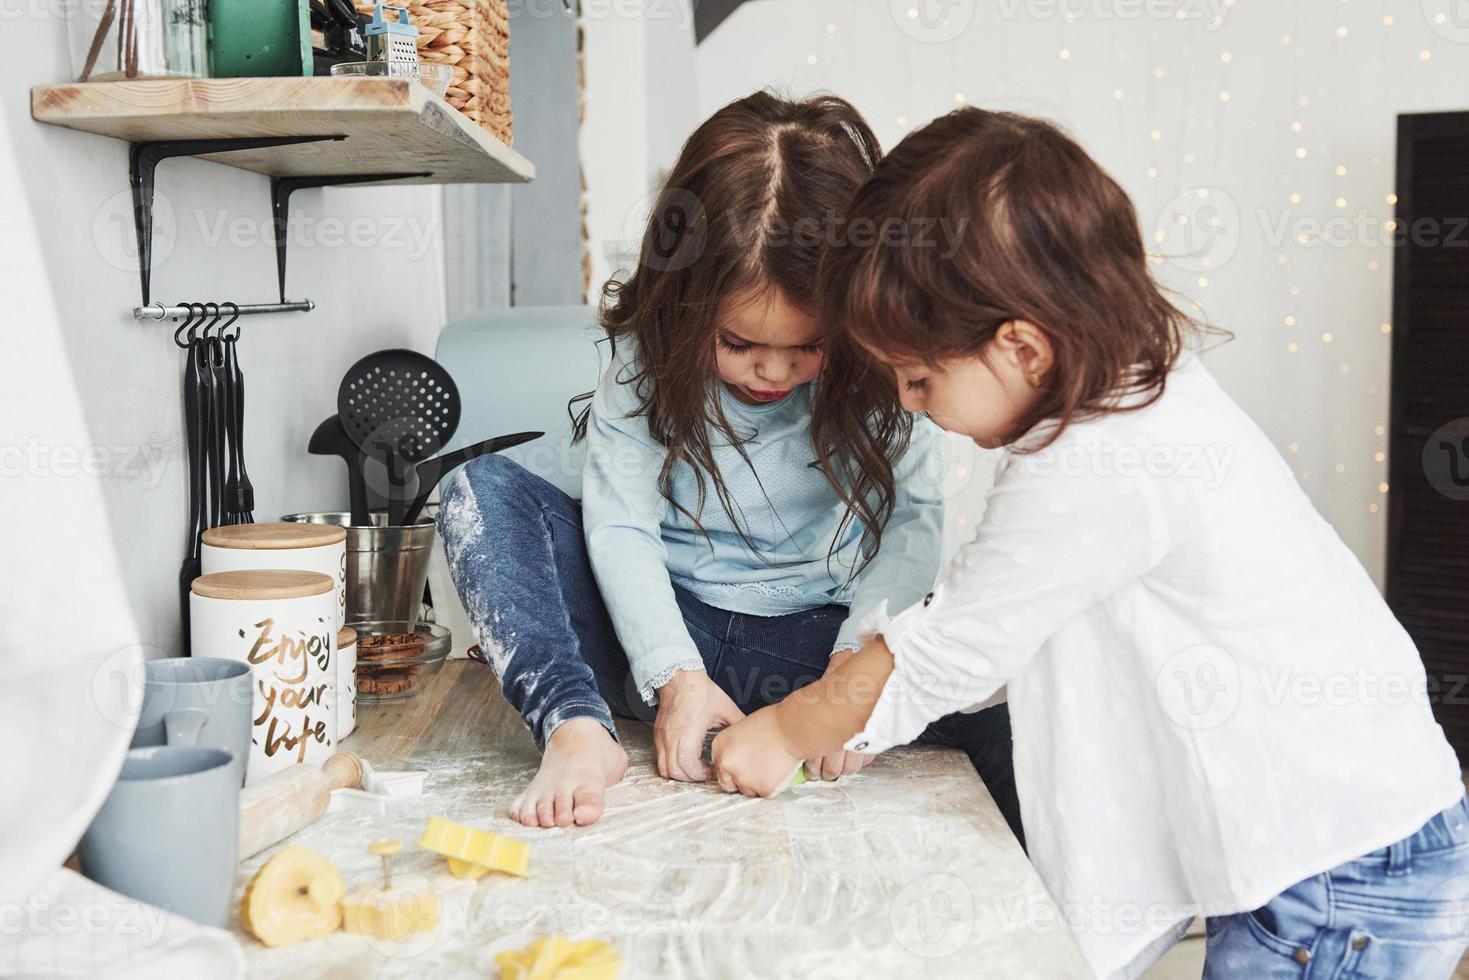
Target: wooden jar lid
column 261, row 584
column 280, row 536
column 346, row 636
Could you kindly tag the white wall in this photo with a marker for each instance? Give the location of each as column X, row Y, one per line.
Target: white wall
column 641, row 103
column 1255, row 102
column 377, row 284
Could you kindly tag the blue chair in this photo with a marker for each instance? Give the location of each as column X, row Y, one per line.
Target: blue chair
column 516, row 369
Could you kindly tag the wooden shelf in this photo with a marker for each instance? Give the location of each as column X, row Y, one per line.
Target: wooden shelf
column 392, row 125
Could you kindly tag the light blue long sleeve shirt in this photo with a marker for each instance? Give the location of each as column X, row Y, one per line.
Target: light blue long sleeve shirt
column 639, row 545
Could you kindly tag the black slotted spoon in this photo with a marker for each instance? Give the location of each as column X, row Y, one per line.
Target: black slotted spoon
column 398, row 406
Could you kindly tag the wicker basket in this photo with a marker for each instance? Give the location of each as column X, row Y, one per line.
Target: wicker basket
column 473, row 38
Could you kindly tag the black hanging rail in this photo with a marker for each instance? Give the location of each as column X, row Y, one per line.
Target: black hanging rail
column 157, row 311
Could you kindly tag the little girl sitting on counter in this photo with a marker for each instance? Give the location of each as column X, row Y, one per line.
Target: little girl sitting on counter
column 710, row 567
column 1214, row 711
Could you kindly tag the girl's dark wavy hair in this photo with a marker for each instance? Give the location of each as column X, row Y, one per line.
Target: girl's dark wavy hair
column 1032, row 229
column 757, row 193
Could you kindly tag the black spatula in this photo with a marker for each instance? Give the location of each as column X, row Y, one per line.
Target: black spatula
column 399, row 406
column 431, row 471
column 331, row 439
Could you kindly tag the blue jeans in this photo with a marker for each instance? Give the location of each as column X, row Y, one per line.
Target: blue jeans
column 1398, row 913
column 519, row 562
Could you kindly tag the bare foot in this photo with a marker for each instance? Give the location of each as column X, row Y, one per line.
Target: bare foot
column 580, row 762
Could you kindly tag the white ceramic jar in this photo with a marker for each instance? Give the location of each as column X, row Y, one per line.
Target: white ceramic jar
column 346, row 685
column 303, row 547
column 282, row 623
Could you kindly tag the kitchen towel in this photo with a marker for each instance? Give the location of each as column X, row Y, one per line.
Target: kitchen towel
column 69, row 695
column 72, row 927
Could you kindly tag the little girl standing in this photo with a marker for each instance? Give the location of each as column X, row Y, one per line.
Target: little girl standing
column 711, row 566
column 1215, row 712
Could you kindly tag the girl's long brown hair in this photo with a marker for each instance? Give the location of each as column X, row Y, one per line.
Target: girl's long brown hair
column 758, row 192
column 991, row 217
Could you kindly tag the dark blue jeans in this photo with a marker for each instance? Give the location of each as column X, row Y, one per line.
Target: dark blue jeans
column 519, row 562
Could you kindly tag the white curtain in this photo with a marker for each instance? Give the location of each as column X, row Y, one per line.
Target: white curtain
column 69, row 650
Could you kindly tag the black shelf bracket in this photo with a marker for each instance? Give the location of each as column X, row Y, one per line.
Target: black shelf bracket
column 281, row 189
column 143, row 161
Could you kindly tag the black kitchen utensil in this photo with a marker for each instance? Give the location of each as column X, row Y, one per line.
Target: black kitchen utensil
column 431, row 471
column 216, row 431
column 239, row 492
column 331, row 439
column 399, row 406
column 194, row 409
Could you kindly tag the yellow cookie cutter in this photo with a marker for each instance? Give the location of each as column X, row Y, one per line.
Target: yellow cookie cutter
column 471, row 853
column 558, row 958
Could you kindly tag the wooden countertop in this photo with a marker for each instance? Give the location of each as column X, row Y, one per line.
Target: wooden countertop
column 906, row 869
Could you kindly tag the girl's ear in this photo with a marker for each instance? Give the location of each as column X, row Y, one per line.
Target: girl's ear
column 1027, row 348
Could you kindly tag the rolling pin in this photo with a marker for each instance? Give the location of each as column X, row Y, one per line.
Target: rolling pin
column 284, row 802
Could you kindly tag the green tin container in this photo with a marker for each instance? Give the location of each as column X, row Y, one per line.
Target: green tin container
column 259, row 38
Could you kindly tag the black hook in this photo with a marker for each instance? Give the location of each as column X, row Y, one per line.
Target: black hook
column 186, row 325
column 198, row 311
column 213, row 346
column 236, row 335
column 214, row 311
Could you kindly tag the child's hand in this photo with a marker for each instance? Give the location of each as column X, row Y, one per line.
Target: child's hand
column 688, row 706
column 842, row 763
column 751, row 757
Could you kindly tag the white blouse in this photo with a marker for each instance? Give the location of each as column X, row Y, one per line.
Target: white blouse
column 1210, row 699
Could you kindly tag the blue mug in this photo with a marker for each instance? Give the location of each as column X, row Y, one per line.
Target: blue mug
column 169, row 832
column 201, row 701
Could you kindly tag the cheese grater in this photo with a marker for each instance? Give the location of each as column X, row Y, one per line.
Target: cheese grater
column 393, row 42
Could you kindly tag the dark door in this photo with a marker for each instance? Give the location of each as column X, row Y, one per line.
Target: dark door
column 1428, row 503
